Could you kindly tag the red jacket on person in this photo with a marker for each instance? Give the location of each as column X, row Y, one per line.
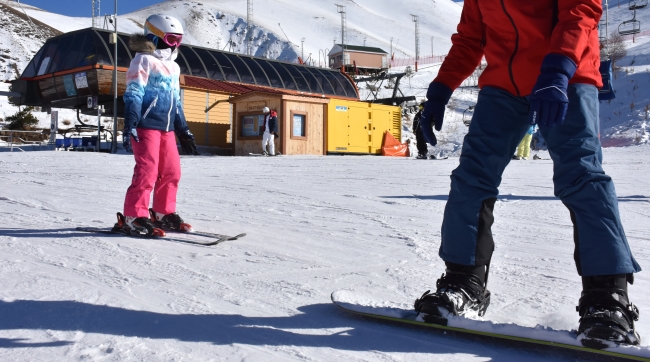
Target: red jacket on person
column 515, row 35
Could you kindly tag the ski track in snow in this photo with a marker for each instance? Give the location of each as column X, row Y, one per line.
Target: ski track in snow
column 314, row 225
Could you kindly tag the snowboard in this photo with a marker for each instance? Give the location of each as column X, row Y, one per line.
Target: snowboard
column 365, row 305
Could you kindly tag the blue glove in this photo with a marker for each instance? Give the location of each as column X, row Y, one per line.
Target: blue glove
column 126, row 139
column 187, row 142
column 549, row 100
column 434, row 110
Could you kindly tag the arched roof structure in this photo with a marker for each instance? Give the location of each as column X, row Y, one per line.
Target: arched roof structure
column 90, row 48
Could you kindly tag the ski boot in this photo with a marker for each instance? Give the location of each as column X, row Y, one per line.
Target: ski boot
column 606, row 315
column 433, row 157
column 462, row 289
column 171, row 221
column 515, row 157
column 131, row 225
column 421, row 156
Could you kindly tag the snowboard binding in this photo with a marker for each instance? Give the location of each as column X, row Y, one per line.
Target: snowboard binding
column 457, row 294
column 606, row 315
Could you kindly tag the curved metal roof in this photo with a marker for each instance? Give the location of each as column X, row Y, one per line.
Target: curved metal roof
column 91, row 47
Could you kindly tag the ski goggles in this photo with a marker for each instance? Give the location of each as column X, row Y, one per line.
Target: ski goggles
column 173, row 40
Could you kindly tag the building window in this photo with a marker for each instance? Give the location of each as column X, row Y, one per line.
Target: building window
column 298, row 126
column 252, row 125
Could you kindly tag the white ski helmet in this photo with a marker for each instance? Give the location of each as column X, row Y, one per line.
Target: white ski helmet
column 160, row 25
column 266, row 110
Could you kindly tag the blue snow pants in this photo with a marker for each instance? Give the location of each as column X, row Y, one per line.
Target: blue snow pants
column 499, row 123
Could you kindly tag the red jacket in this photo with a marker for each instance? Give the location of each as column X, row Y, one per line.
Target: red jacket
column 515, row 35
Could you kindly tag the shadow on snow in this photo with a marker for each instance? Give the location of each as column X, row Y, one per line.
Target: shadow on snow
column 354, row 333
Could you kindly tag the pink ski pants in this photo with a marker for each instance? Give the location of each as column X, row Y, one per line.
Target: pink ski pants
column 157, row 167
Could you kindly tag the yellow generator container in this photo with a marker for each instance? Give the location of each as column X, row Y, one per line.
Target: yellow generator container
column 355, row 127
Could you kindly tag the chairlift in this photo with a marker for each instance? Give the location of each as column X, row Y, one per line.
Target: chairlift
column 467, row 115
column 637, row 4
column 630, row 27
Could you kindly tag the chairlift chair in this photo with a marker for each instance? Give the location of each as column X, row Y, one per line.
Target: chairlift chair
column 637, row 4
column 467, row 115
column 630, row 27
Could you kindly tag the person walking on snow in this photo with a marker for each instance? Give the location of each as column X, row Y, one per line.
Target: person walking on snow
column 270, row 131
column 153, row 116
column 421, row 143
column 543, row 61
column 523, row 150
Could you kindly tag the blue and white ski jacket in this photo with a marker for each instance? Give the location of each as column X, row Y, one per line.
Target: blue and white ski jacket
column 152, row 96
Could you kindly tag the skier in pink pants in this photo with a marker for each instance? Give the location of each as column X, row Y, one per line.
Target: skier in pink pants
column 152, row 120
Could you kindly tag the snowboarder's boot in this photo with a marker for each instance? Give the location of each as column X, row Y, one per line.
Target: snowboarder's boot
column 461, row 290
column 606, row 315
column 421, row 157
column 171, row 221
column 515, row 157
column 433, row 157
column 136, row 225
column 536, row 157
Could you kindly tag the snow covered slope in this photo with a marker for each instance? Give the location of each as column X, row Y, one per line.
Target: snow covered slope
column 315, row 225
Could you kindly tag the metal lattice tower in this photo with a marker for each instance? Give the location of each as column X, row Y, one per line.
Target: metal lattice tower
column 249, row 26
column 417, row 37
column 96, row 14
column 341, row 10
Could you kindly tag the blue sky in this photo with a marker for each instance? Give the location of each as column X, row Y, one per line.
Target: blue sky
column 83, row 7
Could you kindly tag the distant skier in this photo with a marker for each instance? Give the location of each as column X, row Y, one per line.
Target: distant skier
column 270, row 131
column 153, row 114
column 523, row 149
column 421, row 143
column 543, row 61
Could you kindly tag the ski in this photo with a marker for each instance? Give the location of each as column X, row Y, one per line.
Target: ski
column 365, row 305
column 192, row 232
column 207, row 234
column 143, row 236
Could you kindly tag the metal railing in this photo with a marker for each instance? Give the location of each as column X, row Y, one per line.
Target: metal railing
column 13, row 140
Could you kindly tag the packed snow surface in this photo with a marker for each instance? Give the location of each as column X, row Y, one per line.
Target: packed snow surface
column 314, row 225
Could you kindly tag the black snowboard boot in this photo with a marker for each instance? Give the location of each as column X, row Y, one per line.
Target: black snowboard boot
column 606, row 314
column 460, row 290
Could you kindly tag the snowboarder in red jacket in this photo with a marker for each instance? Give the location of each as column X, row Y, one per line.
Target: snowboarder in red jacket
column 543, row 60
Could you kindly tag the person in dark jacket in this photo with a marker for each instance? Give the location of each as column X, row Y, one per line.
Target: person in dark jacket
column 421, row 143
column 270, row 131
column 153, row 117
column 543, row 59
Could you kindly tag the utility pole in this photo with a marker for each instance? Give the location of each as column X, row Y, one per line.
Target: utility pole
column 249, row 26
column 341, row 10
column 114, row 141
column 432, row 45
column 390, row 56
column 417, row 40
column 302, row 49
column 96, row 13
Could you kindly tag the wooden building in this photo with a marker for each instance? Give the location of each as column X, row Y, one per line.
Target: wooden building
column 301, row 123
column 355, row 59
